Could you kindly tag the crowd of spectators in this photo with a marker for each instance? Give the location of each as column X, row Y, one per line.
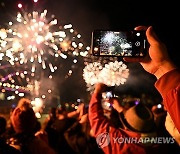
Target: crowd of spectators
column 107, row 125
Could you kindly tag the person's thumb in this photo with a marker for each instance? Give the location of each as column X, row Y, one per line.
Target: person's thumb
column 151, row 36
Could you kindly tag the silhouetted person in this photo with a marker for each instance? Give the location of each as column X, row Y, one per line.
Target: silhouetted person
column 51, row 132
column 4, row 147
column 79, row 136
column 24, row 123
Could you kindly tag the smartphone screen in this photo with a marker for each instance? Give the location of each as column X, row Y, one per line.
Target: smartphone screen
column 106, row 103
column 119, row 43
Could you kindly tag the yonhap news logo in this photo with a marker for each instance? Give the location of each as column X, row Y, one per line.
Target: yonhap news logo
column 103, row 140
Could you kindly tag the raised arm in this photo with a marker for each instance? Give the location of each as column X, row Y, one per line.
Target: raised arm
column 158, row 63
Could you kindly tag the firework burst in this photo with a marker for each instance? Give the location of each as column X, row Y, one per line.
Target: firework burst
column 112, row 74
column 36, row 39
column 90, row 74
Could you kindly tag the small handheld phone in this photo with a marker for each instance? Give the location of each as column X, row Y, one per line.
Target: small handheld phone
column 119, row 43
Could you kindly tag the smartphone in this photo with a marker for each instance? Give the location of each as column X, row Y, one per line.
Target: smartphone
column 106, row 103
column 119, row 43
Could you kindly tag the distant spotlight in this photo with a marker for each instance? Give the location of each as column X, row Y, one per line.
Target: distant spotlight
column 35, row 1
column 21, row 94
column 49, row 90
column 43, row 96
column 50, row 77
column 159, row 106
column 19, row 5
column 136, row 102
column 38, row 115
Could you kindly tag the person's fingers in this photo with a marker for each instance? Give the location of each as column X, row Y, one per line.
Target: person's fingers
column 151, row 36
column 140, row 28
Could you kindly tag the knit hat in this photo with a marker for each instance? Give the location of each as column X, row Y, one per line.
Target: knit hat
column 23, row 119
column 138, row 118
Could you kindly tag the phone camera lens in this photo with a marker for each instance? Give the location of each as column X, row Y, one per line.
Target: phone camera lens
column 137, row 43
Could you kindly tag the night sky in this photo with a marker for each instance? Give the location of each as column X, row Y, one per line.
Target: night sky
column 87, row 15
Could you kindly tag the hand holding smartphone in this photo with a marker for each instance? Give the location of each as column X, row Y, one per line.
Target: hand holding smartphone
column 119, row 43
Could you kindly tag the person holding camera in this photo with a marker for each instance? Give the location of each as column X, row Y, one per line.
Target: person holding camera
column 158, row 63
column 137, row 120
column 137, row 134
